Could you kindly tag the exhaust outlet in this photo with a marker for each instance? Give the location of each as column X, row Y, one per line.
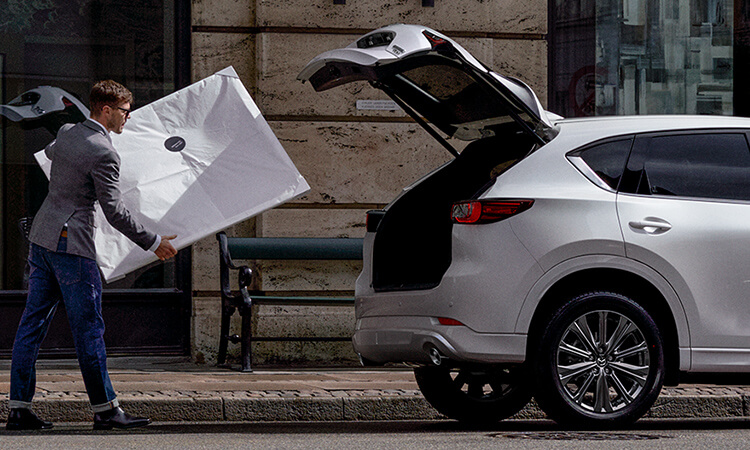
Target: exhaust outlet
column 435, row 356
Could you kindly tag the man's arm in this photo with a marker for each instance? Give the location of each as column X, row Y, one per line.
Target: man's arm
column 106, row 176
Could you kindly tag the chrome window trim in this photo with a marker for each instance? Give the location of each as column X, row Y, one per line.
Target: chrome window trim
column 587, row 172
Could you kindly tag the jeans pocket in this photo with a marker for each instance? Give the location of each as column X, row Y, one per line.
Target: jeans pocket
column 69, row 271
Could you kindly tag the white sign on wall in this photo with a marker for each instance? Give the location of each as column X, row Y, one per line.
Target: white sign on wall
column 377, row 105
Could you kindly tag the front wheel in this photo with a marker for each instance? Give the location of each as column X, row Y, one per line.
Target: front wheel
column 478, row 395
column 601, row 362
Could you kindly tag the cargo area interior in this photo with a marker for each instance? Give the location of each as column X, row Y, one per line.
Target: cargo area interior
column 412, row 248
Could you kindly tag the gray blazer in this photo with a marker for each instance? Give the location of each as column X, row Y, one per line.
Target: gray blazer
column 85, row 168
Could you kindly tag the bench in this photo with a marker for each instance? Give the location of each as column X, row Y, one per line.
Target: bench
column 231, row 248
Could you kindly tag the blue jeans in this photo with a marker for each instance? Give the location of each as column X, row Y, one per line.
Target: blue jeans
column 75, row 280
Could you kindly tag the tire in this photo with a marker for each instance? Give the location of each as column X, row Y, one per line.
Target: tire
column 585, row 381
column 475, row 395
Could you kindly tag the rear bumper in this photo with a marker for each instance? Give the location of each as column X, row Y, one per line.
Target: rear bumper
column 398, row 339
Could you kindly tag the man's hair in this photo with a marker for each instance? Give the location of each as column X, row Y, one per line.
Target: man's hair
column 110, row 93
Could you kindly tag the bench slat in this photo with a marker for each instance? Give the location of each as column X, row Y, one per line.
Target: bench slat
column 295, row 248
column 303, row 301
column 300, row 339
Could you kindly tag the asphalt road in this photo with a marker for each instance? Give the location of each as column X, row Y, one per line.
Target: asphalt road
column 651, row 434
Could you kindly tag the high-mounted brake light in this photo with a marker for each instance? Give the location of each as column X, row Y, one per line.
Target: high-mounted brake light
column 436, row 42
column 487, row 210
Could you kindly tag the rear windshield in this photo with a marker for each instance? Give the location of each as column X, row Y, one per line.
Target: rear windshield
column 442, row 82
column 452, row 95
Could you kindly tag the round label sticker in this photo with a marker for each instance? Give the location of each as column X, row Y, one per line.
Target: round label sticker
column 175, row 144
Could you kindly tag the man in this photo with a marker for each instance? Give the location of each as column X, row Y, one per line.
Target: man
column 85, row 169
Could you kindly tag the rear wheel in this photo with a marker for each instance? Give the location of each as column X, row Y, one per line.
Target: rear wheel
column 601, row 362
column 474, row 394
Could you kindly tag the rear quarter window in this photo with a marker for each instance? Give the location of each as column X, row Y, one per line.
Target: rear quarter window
column 706, row 165
column 607, row 159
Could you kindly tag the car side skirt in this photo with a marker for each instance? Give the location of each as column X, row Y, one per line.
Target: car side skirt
column 720, row 360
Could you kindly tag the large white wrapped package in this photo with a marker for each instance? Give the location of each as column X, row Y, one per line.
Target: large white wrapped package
column 193, row 163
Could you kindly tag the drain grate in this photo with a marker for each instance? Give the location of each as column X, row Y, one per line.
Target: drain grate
column 579, row 436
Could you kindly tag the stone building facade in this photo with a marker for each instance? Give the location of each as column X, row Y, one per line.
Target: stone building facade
column 354, row 160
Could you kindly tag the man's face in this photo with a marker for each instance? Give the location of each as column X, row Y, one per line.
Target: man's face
column 117, row 117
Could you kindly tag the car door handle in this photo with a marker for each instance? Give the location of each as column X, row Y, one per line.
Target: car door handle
column 651, row 225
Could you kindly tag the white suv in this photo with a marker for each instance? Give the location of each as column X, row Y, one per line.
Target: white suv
column 585, row 262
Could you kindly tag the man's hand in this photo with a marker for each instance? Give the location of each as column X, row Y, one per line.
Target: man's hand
column 165, row 250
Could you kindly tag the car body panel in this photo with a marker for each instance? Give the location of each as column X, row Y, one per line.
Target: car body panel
column 485, row 283
column 487, row 99
column 585, row 218
column 407, row 40
column 619, row 263
column 720, row 359
column 704, row 236
column 407, row 338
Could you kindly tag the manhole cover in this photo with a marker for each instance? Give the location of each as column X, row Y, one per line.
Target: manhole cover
column 579, row 436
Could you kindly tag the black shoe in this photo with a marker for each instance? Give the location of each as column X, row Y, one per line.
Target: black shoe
column 24, row 419
column 117, row 418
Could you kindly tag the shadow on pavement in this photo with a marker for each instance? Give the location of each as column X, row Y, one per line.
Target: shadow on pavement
column 390, row 427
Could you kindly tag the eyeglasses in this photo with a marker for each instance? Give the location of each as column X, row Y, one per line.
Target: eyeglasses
column 126, row 111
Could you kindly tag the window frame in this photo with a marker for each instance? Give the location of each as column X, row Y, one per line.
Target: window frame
column 576, row 158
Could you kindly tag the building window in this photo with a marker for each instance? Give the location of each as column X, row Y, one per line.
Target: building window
column 71, row 44
column 620, row 57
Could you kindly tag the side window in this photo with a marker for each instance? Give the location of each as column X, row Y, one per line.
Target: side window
column 607, row 160
column 711, row 165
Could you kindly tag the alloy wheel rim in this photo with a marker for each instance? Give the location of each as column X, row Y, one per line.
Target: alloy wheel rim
column 602, row 362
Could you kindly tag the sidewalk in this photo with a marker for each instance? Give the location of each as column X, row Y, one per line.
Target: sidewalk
column 174, row 389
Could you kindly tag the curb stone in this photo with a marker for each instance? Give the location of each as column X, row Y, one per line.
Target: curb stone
column 252, row 407
column 183, row 394
column 697, row 406
column 282, row 409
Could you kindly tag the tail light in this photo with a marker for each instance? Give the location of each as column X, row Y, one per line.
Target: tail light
column 67, row 103
column 487, row 210
column 450, row 322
